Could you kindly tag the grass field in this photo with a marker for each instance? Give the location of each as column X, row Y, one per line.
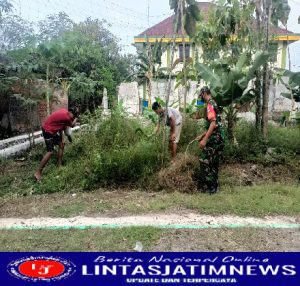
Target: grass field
column 272, row 199
column 152, row 239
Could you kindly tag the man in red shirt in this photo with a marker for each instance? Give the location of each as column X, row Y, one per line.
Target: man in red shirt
column 52, row 133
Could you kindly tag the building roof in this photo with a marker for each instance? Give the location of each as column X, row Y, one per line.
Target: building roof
column 165, row 27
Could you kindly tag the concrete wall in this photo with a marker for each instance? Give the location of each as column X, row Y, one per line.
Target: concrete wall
column 128, row 95
column 22, row 117
column 131, row 95
column 18, row 118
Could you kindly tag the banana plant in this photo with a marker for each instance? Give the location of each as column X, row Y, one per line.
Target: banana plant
column 293, row 84
column 187, row 73
column 230, row 85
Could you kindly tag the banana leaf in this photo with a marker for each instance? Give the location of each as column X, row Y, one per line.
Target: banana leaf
column 208, row 75
column 260, row 58
column 241, row 62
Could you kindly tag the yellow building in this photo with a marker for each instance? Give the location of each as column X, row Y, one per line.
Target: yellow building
column 164, row 31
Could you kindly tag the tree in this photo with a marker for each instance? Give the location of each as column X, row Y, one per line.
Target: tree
column 79, row 58
column 267, row 11
column 16, row 33
column 280, row 12
column 224, row 36
column 5, row 7
column 186, row 16
column 227, row 32
column 54, row 26
column 188, row 13
column 91, row 59
column 230, row 84
column 149, row 65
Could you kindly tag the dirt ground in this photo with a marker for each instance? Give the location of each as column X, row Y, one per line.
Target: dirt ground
column 179, row 176
column 251, row 174
column 122, row 203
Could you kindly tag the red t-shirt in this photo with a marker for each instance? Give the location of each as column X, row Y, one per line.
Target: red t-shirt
column 57, row 121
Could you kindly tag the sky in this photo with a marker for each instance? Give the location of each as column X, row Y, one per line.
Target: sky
column 128, row 18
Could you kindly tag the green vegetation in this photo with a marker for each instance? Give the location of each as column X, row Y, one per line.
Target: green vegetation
column 117, row 151
column 268, row 198
column 284, row 144
column 178, row 240
column 111, row 153
column 58, row 56
column 100, row 240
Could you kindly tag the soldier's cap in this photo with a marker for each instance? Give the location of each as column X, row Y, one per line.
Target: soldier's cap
column 204, row 89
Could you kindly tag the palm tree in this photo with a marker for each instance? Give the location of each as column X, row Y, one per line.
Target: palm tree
column 186, row 16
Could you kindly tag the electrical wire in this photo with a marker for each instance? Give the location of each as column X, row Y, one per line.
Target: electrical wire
column 122, row 21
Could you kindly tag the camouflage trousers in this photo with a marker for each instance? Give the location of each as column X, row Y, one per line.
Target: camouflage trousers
column 207, row 173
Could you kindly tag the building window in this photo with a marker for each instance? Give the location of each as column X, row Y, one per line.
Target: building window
column 187, row 51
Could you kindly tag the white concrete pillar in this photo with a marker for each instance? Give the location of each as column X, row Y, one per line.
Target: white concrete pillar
column 105, row 100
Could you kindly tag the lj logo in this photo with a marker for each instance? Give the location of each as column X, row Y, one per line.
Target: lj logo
column 41, row 268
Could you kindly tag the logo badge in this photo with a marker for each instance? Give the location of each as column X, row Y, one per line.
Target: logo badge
column 41, row 268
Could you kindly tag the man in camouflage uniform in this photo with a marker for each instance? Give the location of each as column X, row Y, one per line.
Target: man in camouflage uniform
column 211, row 143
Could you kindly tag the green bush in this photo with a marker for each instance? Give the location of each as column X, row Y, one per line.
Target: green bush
column 108, row 152
column 285, row 139
column 285, row 142
column 112, row 153
column 134, row 164
column 248, row 146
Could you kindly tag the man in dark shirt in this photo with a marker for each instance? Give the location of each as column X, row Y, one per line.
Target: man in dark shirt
column 52, row 133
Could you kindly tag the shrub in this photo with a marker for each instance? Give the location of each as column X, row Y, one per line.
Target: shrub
column 285, row 142
column 285, row 139
column 125, row 165
column 108, row 152
column 248, row 145
column 191, row 128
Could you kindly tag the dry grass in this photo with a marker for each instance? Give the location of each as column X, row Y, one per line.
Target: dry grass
column 178, row 175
